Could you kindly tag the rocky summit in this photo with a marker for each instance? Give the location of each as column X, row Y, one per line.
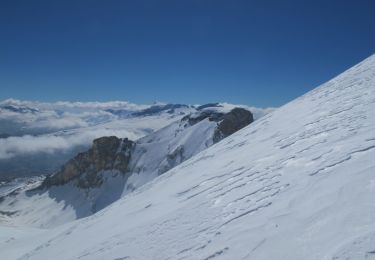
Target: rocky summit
column 231, row 122
column 106, row 153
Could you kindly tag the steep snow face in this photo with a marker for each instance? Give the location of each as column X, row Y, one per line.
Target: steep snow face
column 297, row 184
column 157, row 153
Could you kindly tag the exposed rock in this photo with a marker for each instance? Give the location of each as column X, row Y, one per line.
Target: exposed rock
column 196, row 118
column 231, row 122
column 228, row 123
column 174, row 158
column 107, row 153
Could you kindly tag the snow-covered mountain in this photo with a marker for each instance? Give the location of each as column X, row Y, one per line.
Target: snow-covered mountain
column 113, row 167
column 37, row 138
column 296, row 184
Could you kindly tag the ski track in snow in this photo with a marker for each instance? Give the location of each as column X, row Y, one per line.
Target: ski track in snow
column 297, row 184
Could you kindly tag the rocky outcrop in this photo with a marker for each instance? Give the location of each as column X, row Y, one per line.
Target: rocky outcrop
column 107, row 153
column 196, row 118
column 228, row 123
column 231, row 122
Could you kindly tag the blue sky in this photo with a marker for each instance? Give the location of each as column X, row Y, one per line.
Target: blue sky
column 262, row 53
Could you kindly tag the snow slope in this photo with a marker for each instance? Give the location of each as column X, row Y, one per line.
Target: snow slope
column 297, row 184
column 158, row 152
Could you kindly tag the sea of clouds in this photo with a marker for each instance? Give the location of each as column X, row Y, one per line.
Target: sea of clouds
column 39, row 127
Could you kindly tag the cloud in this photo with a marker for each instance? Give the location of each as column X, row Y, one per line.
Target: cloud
column 27, row 144
column 74, row 105
column 60, row 126
column 55, row 116
column 65, row 122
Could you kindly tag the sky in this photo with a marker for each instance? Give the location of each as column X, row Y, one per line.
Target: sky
column 261, row 53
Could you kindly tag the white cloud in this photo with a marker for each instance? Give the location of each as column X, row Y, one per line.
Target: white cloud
column 74, row 105
column 13, row 146
column 27, row 144
column 63, row 122
column 33, row 115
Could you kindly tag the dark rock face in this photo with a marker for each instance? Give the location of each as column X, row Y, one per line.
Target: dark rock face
column 228, row 123
column 231, row 122
column 173, row 159
column 211, row 115
column 107, row 153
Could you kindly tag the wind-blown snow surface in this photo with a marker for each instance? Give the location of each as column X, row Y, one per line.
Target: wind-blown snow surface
column 297, row 184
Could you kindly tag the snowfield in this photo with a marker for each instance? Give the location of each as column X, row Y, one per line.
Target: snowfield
column 299, row 183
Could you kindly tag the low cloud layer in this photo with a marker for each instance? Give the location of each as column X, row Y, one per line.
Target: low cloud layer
column 73, row 105
column 28, row 117
column 23, row 145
